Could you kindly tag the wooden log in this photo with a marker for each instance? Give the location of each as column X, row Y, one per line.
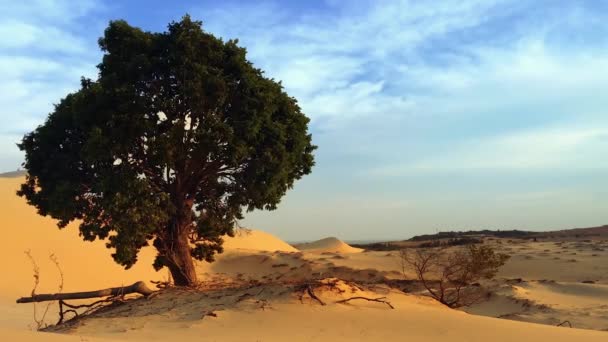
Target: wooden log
column 138, row 287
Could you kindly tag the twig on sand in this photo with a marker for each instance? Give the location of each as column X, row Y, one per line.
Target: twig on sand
column 379, row 300
column 312, row 294
column 307, row 288
column 565, row 322
column 89, row 307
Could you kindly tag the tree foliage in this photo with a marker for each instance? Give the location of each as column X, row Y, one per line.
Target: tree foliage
column 177, row 136
column 447, row 275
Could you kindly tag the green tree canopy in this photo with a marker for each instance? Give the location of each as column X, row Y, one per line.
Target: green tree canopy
column 175, row 138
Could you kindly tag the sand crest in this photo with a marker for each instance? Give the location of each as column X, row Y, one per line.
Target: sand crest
column 250, row 288
column 328, row 245
column 255, row 240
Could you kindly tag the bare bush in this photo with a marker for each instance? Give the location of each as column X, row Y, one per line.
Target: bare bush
column 40, row 322
column 448, row 275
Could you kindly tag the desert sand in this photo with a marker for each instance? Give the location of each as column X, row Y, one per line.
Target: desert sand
column 253, row 292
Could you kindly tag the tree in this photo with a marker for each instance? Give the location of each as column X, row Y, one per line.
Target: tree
column 175, row 138
column 447, row 275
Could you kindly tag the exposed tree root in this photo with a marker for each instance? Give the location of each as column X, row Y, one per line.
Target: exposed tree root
column 73, row 309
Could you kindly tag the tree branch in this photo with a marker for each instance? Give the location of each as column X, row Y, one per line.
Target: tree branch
column 138, row 287
column 379, row 300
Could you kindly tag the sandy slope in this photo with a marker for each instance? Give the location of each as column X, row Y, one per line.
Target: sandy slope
column 275, row 313
column 328, row 245
column 85, row 265
column 262, row 257
column 550, row 282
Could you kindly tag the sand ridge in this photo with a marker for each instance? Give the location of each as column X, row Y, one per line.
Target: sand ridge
column 255, row 240
column 328, row 245
column 258, row 268
column 279, row 312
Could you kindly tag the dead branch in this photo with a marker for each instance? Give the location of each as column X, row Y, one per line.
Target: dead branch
column 307, row 289
column 379, row 300
column 36, row 270
column 138, row 287
column 565, row 322
column 89, row 308
column 54, row 259
column 312, row 294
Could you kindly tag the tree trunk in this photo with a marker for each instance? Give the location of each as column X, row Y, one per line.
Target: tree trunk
column 180, row 262
column 176, row 247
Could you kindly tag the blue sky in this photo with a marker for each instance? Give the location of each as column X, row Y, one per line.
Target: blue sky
column 429, row 115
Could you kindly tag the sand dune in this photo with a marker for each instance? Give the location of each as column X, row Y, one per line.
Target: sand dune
column 246, row 309
column 328, row 245
column 277, row 313
column 255, row 240
column 549, row 302
column 85, row 264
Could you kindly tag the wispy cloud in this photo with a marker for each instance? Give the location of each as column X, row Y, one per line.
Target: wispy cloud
column 431, row 103
column 43, row 54
column 466, row 72
column 569, row 148
column 404, row 92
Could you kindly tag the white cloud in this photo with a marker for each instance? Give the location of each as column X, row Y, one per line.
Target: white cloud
column 547, row 148
column 322, row 59
column 54, row 11
column 43, row 54
column 17, row 34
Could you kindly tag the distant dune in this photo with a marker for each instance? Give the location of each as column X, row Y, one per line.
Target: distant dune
column 601, row 231
column 328, row 245
column 247, row 239
column 254, row 290
column 13, row 174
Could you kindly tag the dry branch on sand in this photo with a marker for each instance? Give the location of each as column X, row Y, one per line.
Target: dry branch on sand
column 114, row 295
column 332, row 285
column 379, row 300
column 311, row 293
column 138, row 287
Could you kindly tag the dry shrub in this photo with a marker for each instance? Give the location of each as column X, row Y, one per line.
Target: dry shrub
column 39, row 322
column 448, row 276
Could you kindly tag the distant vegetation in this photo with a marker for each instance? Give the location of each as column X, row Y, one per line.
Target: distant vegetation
column 392, row 246
column 451, row 242
column 457, row 238
column 377, row 246
column 485, row 232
